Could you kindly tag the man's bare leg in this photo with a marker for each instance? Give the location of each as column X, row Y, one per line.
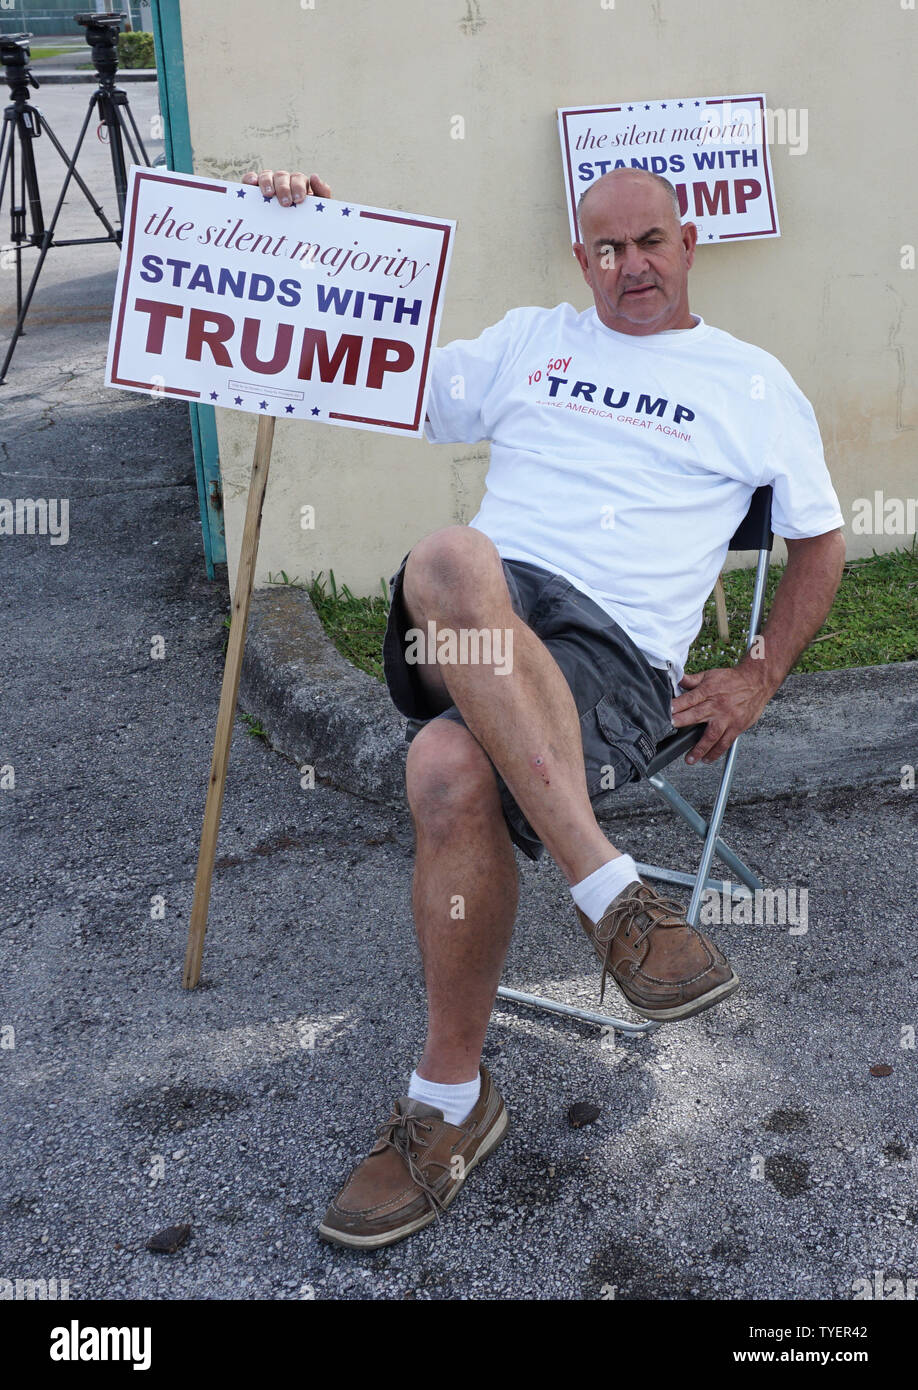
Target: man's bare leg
column 465, row 894
column 527, row 723
column 525, row 720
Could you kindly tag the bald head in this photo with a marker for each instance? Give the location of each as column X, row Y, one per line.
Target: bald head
column 635, row 253
column 615, row 178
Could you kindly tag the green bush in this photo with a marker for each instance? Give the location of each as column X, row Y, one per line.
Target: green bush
column 136, row 50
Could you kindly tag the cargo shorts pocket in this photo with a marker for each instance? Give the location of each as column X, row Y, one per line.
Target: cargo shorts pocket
column 615, row 750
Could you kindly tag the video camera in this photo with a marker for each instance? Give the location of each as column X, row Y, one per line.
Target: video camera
column 100, row 28
column 14, row 50
column 15, row 53
column 102, row 32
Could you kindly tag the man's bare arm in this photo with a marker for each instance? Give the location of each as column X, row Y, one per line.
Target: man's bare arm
column 730, row 700
column 801, row 603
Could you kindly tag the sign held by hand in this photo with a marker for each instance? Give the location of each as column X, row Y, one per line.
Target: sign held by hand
column 324, row 310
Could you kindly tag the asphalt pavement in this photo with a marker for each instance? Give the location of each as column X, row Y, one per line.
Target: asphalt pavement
column 751, row 1152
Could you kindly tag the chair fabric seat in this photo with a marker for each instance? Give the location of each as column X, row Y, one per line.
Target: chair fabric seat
column 673, row 746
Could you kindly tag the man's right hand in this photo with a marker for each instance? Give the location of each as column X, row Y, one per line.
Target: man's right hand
column 289, row 188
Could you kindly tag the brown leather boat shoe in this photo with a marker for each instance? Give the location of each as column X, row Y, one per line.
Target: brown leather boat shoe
column 414, row 1171
column 665, row 968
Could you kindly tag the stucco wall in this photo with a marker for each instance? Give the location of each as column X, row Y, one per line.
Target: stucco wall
column 364, row 92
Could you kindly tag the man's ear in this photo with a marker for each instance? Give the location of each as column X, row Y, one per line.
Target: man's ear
column 689, row 241
column 580, row 252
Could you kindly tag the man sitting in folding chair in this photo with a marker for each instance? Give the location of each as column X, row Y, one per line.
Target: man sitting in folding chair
column 626, row 443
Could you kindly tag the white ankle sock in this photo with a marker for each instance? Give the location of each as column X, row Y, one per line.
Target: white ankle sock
column 456, row 1102
column 594, row 894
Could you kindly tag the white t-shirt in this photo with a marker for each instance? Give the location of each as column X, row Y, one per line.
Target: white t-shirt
column 626, row 463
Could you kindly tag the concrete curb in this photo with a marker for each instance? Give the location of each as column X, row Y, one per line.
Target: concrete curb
column 828, row 731
column 315, row 706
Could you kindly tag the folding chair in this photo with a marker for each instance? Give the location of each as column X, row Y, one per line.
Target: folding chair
column 753, row 533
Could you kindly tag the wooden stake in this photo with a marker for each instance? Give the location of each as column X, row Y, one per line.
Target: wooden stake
column 720, row 608
column 232, row 670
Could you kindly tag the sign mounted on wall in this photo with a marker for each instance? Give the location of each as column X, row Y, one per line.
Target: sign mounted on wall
column 714, row 150
column 322, row 311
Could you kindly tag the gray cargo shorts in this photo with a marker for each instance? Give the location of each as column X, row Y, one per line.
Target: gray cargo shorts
column 624, row 703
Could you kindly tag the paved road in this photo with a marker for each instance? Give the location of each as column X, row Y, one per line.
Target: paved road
column 746, row 1153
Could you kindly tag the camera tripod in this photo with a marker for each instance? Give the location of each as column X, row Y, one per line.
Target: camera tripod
column 23, row 123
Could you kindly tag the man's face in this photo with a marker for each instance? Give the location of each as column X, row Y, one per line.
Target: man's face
column 635, row 256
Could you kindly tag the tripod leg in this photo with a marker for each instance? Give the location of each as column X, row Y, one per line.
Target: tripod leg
column 5, row 136
column 47, row 234
column 17, row 213
column 109, row 113
column 35, row 123
column 130, row 115
column 31, row 196
column 74, row 173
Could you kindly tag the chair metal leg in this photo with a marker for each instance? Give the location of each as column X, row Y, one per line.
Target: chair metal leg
column 688, row 813
column 620, row 1025
column 758, row 596
column 716, row 885
column 698, row 882
column 723, row 791
column 710, row 830
column 710, row 843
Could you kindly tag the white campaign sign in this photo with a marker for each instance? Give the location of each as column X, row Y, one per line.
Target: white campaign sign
column 323, row 311
column 714, row 150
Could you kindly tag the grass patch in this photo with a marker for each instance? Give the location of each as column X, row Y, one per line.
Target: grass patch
column 51, row 52
column 873, row 621
column 254, row 726
column 355, row 625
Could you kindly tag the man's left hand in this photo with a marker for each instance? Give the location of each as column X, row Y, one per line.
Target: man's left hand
column 728, row 699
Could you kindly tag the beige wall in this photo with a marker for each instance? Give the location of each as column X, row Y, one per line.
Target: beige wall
column 362, row 92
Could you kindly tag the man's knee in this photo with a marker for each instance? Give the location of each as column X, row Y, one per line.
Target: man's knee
column 448, row 775
column 452, row 566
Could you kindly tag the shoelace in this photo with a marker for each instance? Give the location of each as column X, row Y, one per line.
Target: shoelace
column 654, row 907
column 401, row 1131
